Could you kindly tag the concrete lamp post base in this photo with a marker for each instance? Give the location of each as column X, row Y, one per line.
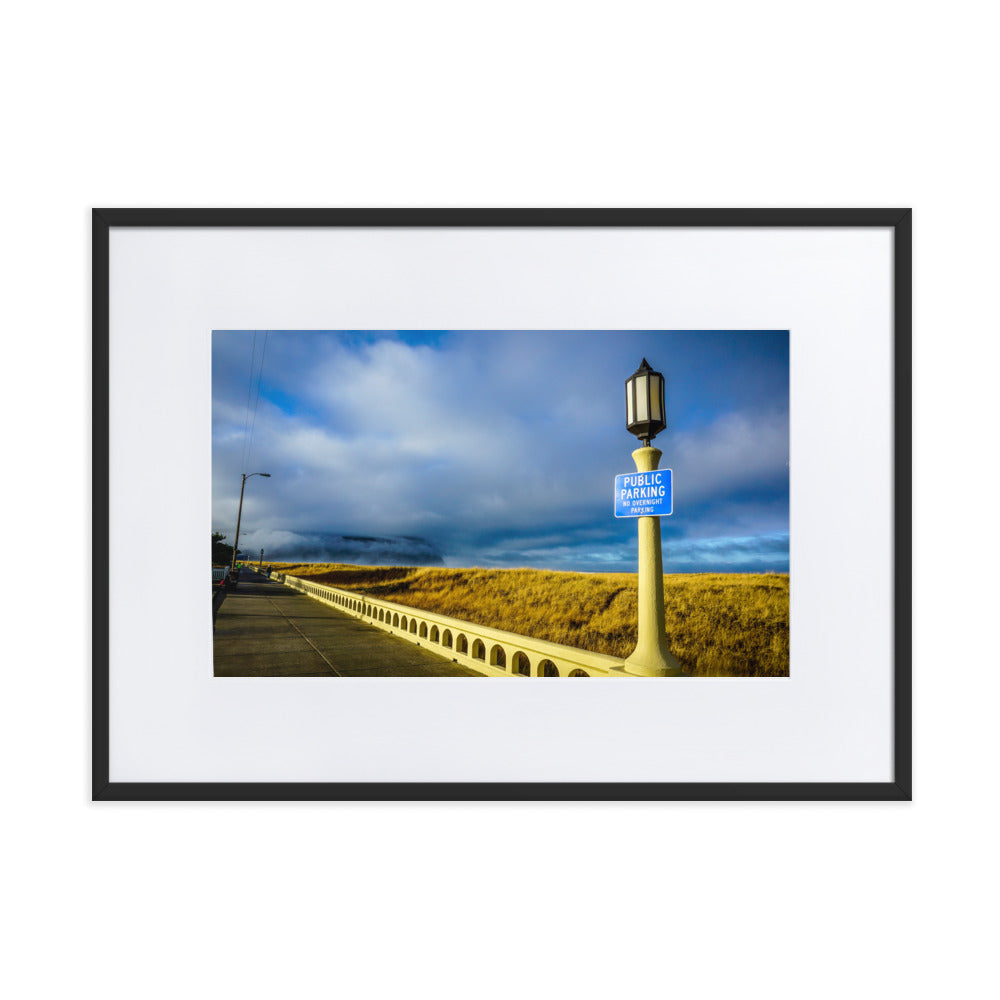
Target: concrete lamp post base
column 651, row 657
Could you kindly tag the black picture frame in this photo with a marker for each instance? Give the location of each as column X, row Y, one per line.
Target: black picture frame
column 899, row 220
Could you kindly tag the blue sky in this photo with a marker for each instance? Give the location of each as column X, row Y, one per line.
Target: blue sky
column 497, row 448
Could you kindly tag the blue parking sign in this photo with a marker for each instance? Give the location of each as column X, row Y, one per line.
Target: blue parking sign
column 645, row 494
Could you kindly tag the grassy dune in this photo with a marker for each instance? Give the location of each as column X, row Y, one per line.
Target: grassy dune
column 718, row 624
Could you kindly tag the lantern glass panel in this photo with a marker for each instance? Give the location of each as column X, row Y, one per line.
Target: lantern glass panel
column 656, row 397
column 629, row 408
column 642, row 397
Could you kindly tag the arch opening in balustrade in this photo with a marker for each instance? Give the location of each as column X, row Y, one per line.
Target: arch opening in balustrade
column 434, row 633
column 498, row 657
column 404, row 624
column 381, row 614
column 461, row 644
column 423, row 630
column 578, row 673
column 521, row 664
column 395, row 621
column 413, row 625
column 479, row 650
column 446, row 638
column 546, row 668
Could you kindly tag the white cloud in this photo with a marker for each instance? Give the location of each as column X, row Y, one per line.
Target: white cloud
column 737, row 451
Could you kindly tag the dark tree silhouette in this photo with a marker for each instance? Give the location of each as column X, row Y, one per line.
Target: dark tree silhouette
column 222, row 554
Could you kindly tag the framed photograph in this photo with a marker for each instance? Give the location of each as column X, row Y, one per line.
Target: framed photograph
column 450, row 461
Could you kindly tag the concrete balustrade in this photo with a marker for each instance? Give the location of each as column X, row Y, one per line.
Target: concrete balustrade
column 489, row 651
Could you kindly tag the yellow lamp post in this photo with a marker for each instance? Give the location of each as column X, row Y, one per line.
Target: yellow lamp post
column 645, row 418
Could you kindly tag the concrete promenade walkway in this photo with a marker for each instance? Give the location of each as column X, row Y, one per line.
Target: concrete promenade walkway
column 264, row 629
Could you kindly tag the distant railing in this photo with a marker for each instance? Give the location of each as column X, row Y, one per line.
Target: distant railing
column 218, row 596
column 488, row 651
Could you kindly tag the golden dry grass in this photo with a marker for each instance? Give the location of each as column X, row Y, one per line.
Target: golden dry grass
column 718, row 624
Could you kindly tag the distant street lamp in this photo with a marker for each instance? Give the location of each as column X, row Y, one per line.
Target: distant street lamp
column 645, row 418
column 239, row 516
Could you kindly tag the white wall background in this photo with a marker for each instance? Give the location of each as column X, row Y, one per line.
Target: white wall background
column 521, row 103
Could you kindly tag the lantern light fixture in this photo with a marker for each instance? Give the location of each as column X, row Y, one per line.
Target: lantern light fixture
column 644, row 403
